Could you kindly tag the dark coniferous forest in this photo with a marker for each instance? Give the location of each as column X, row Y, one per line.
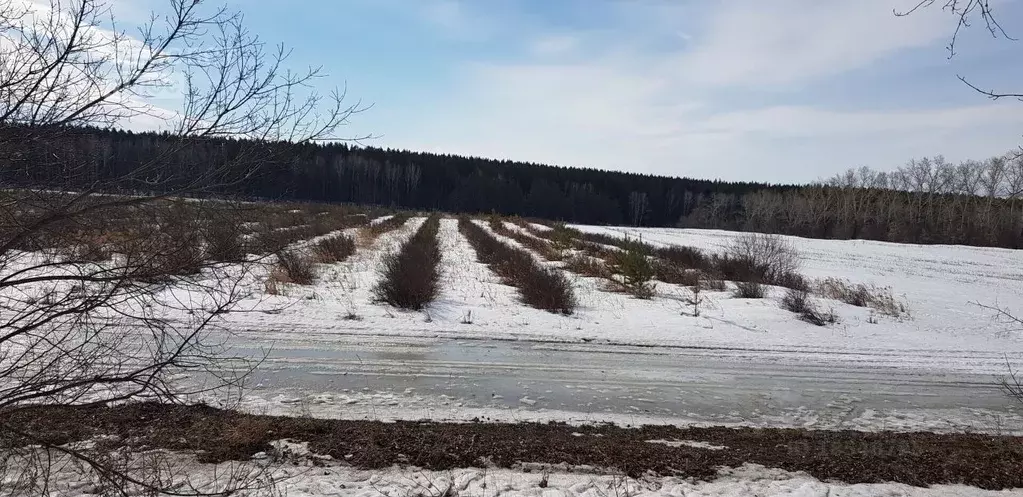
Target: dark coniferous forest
column 901, row 206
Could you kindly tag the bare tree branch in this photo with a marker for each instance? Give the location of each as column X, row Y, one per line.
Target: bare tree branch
column 993, row 95
column 965, row 12
column 113, row 291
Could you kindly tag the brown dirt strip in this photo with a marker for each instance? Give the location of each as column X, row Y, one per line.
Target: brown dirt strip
column 921, row 459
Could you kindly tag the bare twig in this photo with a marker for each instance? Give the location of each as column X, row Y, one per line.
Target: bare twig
column 112, row 291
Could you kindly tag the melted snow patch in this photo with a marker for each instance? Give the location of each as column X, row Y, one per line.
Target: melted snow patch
column 696, row 444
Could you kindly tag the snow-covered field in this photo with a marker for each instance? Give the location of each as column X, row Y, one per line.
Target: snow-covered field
column 945, row 287
column 741, row 362
column 477, row 352
column 946, row 330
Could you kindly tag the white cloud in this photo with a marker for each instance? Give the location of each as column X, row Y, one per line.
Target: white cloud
column 659, row 111
column 599, row 116
column 785, row 42
column 456, row 19
column 559, row 44
column 796, row 121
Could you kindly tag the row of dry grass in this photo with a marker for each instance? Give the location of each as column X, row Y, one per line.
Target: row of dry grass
column 624, row 271
column 410, row 275
column 539, row 286
column 879, row 299
column 277, row 233
column 164, row 238
column 297, row 265
column 369, row 233
column 753, row 262
column 544, row 248
column 753, row 258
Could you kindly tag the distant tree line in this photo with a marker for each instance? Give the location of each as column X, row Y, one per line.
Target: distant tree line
column 927, row 201
column 338, row 172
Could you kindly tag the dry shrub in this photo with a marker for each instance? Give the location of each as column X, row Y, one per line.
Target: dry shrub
column 184, row 259
column 628, row 258
column 588, row 266
column 798, row 301
column 547, row 288
column 560, row 236
column 89, row 249
column 686, row 257
column 271, row 240
column 335, row 249
column 675, row 273
column 224, row 243
column 610, row 240
column 174, row 245
column 274, row 228
column 793, row 281
column 370, row 232
column 354, row 220
column 157, row 257
column 243, row 435
column 760, row 258
column 173, row 238
column 749, row 290
column 771, row 252
column 294, row 267
column 715, row 285
column 539, row 286
column 670, row 264
column 410, row 276
column 544, row 248
column 267, row 240
column 271, row 284
column 860, row 295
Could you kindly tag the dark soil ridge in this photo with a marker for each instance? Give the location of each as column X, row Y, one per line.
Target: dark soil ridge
column 920, row 459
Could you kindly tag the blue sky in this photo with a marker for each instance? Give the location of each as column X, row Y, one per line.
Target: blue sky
column 780, row 90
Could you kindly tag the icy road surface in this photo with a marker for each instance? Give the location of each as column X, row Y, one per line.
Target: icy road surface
column 413, row 378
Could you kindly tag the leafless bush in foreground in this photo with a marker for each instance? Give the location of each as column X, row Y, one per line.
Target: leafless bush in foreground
column 78, row 327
